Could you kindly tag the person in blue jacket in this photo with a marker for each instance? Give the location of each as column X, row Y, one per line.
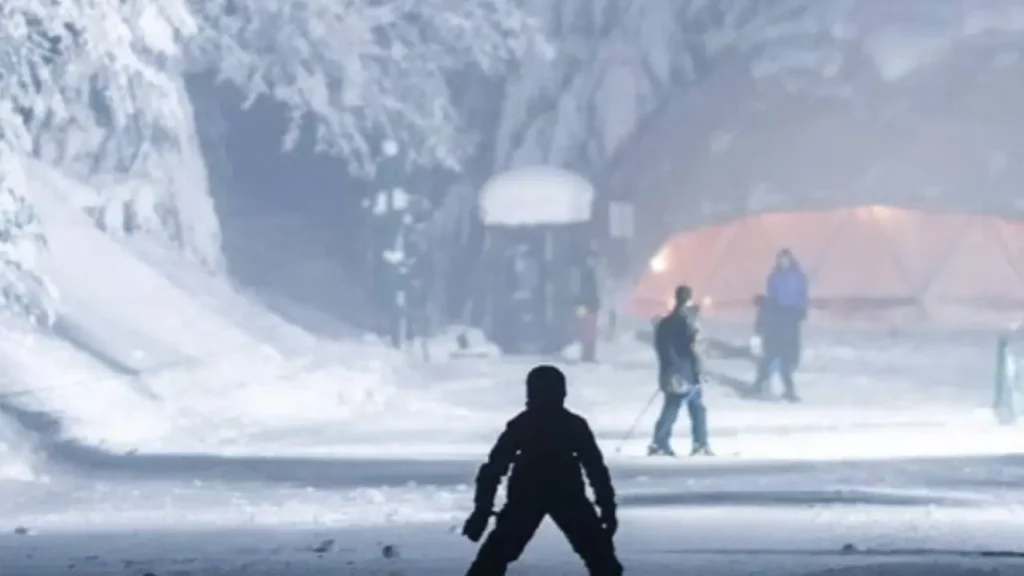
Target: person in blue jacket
column 781, row 313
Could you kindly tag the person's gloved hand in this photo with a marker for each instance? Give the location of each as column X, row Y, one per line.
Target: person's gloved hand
column 609, row 521
column 476, row 524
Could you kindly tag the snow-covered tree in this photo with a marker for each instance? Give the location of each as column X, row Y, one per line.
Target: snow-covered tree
column 119, row 118
column 24, row 291
column 398, row 246
column 74, row 76
column 96, row 88
column 362, row 71
column 619, row 60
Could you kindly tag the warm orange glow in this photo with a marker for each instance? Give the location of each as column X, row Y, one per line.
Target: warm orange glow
column 948, row 265
column 660, row 262
column 883, row 213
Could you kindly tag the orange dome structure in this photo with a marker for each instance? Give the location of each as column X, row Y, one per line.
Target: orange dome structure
column 871, row 263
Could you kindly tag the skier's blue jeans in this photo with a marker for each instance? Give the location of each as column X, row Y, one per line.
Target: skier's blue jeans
column 670, row 413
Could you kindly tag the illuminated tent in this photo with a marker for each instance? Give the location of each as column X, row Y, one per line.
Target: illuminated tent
column 874, row 263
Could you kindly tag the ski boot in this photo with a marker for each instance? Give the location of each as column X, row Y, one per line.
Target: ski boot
column 701, row 450
column 791, row 397
column 653, row 450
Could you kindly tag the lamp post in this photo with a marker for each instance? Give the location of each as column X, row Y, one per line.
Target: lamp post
column 398, row 252
column 386, row 248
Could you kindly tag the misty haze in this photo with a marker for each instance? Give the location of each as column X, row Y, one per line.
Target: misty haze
column 274, row 274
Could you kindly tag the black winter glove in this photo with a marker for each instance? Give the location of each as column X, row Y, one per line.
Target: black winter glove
column 476, row 524
column 609, row 521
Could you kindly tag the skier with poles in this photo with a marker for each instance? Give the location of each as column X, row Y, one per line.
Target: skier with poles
column 679, row 378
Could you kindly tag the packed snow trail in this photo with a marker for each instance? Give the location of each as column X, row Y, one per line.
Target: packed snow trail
column 797, row 542
column 184, row 358
column 360, row 400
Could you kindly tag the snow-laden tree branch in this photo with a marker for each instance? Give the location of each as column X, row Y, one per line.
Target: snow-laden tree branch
column 72, row 74
column 96, row 87
column 91, row 62
column 100, row 95
column 23, row 290
column 618, row 61
column 361, row 71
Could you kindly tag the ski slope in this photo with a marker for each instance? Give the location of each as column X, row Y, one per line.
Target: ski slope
column 172, row 424
column 726, row 543
column 114, row 301
column 151, row 352
column 190, row 363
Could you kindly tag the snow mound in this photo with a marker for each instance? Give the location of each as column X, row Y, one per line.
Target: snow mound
column 462, row 342
column 110, row 300
column 536, row 195
column 17, row 462
column 259, row 394
column 219, row 295
column 152, row 353
column 48, row 375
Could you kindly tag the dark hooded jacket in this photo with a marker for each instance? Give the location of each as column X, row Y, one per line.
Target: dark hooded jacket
column 549, row 449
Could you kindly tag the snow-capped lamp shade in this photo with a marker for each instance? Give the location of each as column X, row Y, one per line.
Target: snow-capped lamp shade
column 536, row 195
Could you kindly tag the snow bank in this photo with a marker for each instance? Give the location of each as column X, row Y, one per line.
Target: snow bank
column 462, row 342
column 113, row 301
column 254, row 396
column 536, row 195
column 17, row 462
column 152, row 352
column 48, row 375
column 257, row 397
column 219, row 295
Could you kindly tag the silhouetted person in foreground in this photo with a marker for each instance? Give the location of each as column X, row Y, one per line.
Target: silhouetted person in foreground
column 546, row 446
column 675, row 338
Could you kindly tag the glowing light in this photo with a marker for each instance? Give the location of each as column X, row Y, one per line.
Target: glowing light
column 882, row 212
column 659, row 263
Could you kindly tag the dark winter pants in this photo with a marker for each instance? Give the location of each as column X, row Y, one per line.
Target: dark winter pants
column 781, row 355
column 767, row 368
column 588, row 336
column 518, row 521
column 670, row 412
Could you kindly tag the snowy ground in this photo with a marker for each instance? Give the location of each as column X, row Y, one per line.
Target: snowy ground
column 182, row 429
column 716, row 543
column 906, row 466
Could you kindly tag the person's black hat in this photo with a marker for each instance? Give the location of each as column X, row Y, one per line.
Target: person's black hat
column 545, row 387
column 683, row 294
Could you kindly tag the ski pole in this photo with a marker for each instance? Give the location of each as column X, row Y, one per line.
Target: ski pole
column 629, row 432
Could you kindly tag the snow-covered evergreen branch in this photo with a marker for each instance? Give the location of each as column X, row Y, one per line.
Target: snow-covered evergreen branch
column 72, row 75
column 24, row 291
column 361, row 71
column 96, row 87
